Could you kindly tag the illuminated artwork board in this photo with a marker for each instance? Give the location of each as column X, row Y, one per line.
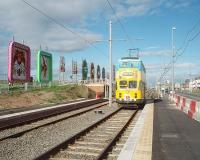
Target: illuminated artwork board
column 18, row 62
column 44, row 67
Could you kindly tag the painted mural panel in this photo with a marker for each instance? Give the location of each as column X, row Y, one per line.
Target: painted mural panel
column 18, row 63
column 44, row 67
column 62, row 64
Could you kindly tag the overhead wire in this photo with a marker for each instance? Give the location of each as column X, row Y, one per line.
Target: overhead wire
column 188, row 33
column 63, row 26
column 120, row 23
column 188, row 39
column 183, row 47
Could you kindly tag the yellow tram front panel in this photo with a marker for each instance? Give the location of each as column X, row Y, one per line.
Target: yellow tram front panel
column 129, row 87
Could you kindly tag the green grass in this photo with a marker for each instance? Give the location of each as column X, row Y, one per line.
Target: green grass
column 19, row 89
column 54, row 88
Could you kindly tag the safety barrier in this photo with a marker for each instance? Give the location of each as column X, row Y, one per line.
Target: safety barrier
column 189, row 106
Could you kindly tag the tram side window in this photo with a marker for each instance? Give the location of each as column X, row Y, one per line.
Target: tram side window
column 142, row 85
column 132, row 84
column 124, row 65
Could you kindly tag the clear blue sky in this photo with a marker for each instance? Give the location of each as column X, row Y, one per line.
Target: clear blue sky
column 150, row 20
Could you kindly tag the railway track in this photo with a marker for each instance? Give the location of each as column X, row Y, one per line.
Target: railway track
column 20, row 130
column 96, row 141
column 22, row 109
column 18, row 119
column 114, row 153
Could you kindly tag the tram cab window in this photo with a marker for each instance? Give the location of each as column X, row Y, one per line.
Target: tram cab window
column 132, row 84
column 122, row 83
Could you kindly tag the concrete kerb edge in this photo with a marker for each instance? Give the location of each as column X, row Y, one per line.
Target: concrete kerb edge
column 129, row 147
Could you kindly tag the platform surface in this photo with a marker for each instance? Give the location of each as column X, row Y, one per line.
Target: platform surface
column 175, row 136
column 139, row 143
column 163, row 132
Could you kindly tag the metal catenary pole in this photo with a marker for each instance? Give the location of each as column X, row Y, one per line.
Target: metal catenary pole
column 173, row 48
column 110, row 63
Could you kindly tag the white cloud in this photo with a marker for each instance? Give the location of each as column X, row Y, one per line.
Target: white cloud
column 177, row 4
column 186, row 65
column 182, row 70
column 26, row 24
column 155, row 53
column 130, row 8
column 151, row 47
column 153, row 66
column 161, row 66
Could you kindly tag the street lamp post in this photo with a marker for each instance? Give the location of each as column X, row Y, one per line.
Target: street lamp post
column 173, row 55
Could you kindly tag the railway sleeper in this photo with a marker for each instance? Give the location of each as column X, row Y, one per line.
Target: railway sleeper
column 102, row 135
column 99, row 131
column 115, row 152
column 77, row 155
column 83, row 150
column 95, row 144
column 112, row 157
column 102, row 140
column 77, row 147
column 110, row 127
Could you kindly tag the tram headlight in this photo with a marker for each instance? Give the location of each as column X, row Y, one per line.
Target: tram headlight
column 135, row 95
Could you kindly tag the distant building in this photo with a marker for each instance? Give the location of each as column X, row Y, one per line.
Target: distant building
column 195, row 84
column 197, row 78
column 185, row 85
column 177, row 86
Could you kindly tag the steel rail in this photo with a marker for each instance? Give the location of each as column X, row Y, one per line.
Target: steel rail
column 20, row 133
column 70, row 140
column 108, row 148
column 35, row 116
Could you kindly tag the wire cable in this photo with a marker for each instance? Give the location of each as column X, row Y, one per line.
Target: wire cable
column 120, row 23
column 63, row 26
column 183, row 47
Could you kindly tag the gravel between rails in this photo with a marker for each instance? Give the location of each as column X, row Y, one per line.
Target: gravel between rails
column 36, row 142
column 114, row 124
column 113, row 155
column 11, row 131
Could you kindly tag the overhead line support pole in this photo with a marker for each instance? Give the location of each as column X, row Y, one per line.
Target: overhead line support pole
column 110, row 63
column 173, row 55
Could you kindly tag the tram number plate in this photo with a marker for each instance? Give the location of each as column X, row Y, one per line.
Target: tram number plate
column 128, row 98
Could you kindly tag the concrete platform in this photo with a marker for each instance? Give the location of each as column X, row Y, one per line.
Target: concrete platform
column 163, row 132
column 176, row 136
column 139, row 143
